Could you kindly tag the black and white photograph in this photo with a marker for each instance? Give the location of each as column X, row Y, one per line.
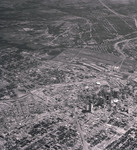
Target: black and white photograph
column 68, row 74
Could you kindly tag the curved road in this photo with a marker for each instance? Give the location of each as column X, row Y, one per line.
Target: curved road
column 126, row 41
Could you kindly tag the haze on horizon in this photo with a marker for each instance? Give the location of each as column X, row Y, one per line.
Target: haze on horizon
column 124, row 1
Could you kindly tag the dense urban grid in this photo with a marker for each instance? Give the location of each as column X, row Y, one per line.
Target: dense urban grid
column 68, row 75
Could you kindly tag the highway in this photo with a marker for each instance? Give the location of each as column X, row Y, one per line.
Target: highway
column 126, row 41
column 120, row 51
column 115, row 13
column 85, row 144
